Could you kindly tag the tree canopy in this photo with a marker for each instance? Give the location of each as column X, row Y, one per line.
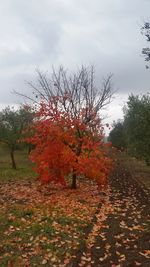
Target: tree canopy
column 146, row 32
column 134, row 131
column 117, row 135
column 137, row 126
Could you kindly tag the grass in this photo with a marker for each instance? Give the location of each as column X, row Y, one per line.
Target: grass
column 24, row 166
column 138, row 168
column 43, row 227
column 40, row 226
column 28, row 233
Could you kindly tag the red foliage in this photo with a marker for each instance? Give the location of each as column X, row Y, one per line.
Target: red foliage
column 65, row 144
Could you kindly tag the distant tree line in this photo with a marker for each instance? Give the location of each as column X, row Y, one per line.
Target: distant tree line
column 133, row 133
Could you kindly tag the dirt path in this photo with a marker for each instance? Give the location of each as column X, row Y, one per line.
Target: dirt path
column 122, row 236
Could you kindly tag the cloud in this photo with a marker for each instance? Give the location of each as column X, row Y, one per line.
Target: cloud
column 69, row 32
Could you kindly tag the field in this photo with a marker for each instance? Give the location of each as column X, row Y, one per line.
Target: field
column 24, row 166
column 45, row 225
column 140, row 171
column 40, row 224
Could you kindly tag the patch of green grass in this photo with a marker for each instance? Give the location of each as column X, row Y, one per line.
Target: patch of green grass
column 27, row 213
column 34, row 260
column 63, row 220
column 33, row 232
column 24, row 169
column 4, row 262
column 47, row 246
column 48, row 229
column 4, row 223
column 22, row 212
column 27, row 227
column 47, row 219
column 35, row 229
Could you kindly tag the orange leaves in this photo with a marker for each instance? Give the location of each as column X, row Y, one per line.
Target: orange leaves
column 146, row 254
column 66, row 144
column 51, row 221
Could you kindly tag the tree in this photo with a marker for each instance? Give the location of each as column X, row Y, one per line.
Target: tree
column 137, row 126
column 80, row 87
column 69, row 113
column 66, row 145
column 146, row 32
column 117, row 136
column 12, row 124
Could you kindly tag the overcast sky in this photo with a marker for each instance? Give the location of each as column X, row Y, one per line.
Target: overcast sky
column 42, row 33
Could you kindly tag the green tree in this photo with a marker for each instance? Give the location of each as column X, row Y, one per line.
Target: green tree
column 12, row 123
column 137, row 126
column 146, row 50
column 117, row 135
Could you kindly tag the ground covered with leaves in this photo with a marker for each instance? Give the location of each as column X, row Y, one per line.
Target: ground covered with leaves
column 44, row 225
column 122, row 235
column 50, row 226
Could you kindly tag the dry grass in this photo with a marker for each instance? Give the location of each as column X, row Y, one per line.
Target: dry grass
column 138, row 168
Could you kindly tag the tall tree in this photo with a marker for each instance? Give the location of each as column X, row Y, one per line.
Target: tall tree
column 117, row 135
column 146, row 50
column 137, row 126
column 66, row 145
column 75, row 97
column 12, row 123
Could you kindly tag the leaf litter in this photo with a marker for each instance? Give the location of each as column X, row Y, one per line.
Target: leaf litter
column 48, row 226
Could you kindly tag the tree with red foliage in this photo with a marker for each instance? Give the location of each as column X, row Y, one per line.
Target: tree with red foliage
column 65, row 145
column 67, row 133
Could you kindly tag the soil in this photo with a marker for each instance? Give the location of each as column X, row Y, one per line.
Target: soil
column 124, row 240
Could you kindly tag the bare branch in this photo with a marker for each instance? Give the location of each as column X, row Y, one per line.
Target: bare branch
column 76, row 92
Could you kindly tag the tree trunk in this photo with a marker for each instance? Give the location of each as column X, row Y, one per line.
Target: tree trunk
column 78, row 152
column 29, row 149
column 74, row 181
column 13, row 159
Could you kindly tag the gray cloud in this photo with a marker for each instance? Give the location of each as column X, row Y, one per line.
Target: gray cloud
column 69, row 32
